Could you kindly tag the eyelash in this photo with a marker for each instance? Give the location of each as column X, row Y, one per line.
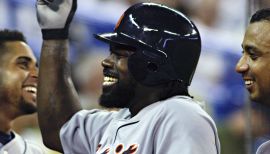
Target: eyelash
column 23, row 65
column 252, row 55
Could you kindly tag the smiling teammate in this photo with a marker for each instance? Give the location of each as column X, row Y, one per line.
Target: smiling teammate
column 254, row 65
column 18, row 83
column 154, row 51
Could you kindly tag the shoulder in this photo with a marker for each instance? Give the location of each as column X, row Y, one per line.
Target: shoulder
column 20, row 145
column 97, row 115
column 33, row 148
column 185, row 112
column 182, row 105
column 183, row 120
column 264, row 148
column 30, row 147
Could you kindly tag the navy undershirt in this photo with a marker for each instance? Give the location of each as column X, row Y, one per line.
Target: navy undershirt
column 5, row 138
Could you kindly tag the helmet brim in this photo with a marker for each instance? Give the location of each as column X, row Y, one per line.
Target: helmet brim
column 111, row 38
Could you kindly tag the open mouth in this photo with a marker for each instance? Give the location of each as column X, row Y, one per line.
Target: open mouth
column 30, row 89
column 249, row 83
column 108, row 81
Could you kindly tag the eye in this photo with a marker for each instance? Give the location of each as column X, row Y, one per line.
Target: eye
column 253, row 56
column 252, row 53
column 120, row 55
column 23, row 65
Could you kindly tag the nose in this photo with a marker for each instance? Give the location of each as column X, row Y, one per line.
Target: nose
column 242, row 65
column 34, row 72
column 108, row 62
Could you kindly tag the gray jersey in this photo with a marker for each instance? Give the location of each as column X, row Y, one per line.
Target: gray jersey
column 177, row 125
column 20, row 146
column 264, row 148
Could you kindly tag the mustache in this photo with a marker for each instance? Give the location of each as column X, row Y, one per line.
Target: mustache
column 110, row 73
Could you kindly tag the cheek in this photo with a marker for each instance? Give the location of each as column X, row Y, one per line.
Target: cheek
column 10, row 86
column 12, row 79
column 262, row 75
column 122, row 67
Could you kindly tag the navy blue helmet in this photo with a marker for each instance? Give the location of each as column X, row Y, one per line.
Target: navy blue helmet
column 167, row 43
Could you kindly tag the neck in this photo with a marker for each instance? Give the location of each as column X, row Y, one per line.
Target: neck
column 7, row 116
column 143, row 97
column 5, row 122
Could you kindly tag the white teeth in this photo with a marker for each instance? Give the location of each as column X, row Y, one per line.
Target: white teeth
column 31, row 89
column 109, row 81
column 248, row 82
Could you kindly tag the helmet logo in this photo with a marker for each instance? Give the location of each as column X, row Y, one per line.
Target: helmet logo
column 118, row 22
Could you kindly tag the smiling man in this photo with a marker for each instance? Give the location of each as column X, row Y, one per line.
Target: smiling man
column 154, row 51
column 254, row 64
column 18, row 83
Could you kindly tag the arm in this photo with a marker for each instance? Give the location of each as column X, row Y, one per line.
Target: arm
column 57, row 98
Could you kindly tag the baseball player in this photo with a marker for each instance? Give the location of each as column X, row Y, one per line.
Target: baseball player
column 154, row 51
column 18, row 88
column 254, row 65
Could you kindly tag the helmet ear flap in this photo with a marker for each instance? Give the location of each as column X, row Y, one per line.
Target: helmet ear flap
column 145, row 66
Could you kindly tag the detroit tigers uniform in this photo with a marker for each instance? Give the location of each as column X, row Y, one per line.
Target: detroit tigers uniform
column 177, row 125
column 20, row 146
column 264, row 148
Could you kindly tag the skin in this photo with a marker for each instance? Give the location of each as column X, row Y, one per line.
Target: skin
column 18, row 70
column 120, row 92
column 58, row 99
column 126, row 92
column 254, row 64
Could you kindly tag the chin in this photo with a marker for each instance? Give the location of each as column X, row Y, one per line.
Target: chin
column 118, row 97
column 111, row 101
column 260, row 100
column 28, row 107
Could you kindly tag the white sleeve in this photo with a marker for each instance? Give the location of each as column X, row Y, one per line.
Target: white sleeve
column 186, row 129
column 81, row 134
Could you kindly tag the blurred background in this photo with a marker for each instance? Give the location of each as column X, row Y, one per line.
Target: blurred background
column 242, row 125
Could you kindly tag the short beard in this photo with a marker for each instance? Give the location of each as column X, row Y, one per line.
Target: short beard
column 120, row 96
column 27, row 108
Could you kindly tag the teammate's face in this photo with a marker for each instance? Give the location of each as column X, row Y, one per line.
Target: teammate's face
column 254, row 64
column 118, row 85
column 18, row 77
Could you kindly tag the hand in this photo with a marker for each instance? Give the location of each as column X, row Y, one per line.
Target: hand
column 54, row 17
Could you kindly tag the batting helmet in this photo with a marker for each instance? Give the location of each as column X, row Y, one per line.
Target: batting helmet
column 167, row 43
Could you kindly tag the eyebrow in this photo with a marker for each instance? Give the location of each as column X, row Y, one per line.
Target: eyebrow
column 25, row 58
column 250, row 49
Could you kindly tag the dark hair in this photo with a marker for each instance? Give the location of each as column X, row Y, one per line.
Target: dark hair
column 263, row 14
column 11, row 35
column 174, row 88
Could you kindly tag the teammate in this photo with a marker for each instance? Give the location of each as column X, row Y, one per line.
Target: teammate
column 254, row 64
column 154, row 51
column 18, row 83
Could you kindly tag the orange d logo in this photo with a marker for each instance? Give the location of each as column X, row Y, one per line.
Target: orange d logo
column 118, row 22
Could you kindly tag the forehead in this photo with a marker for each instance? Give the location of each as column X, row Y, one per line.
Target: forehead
column 15, row 49
column 258, row 35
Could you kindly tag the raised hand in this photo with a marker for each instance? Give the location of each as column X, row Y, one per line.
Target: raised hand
column 54, row 17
